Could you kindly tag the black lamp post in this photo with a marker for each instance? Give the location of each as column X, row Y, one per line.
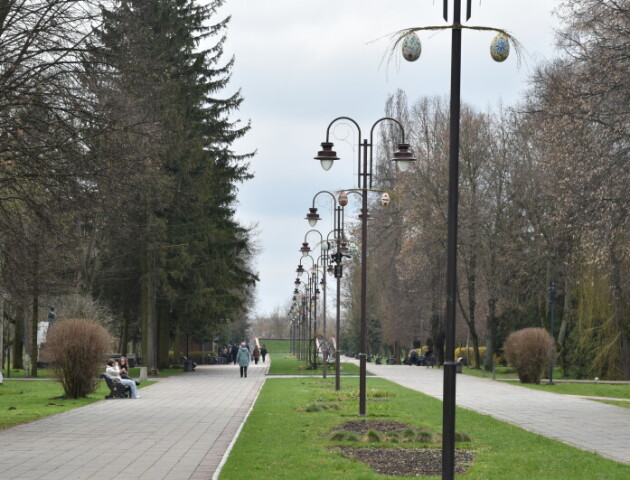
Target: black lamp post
column 448, row 414
column 327, row 156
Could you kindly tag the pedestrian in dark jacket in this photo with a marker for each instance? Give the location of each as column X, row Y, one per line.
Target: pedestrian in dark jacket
column 234, row 353
column 256, row 354
column 243, row 357
column 263, row 353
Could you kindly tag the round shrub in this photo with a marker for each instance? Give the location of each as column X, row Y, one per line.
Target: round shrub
column 529, row 351
column 78, row 348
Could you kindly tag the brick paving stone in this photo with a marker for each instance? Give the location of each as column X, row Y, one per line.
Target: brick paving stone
column 179, row 430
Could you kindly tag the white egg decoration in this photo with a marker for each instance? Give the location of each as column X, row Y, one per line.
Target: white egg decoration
column 500, row 48
column 411, row 47
column 385, row 199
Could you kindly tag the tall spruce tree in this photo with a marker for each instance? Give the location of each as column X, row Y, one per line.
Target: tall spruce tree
column 163, row 84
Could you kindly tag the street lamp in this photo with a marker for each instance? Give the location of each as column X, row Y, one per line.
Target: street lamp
column 327, row 156
column 313, row 296
column 338, row 233
column 499, row 50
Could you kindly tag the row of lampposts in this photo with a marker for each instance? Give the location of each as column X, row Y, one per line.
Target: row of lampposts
column 327, row 156
column 404, row 157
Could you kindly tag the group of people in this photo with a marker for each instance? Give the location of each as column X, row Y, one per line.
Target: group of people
column 120, row 371
column 243, row 356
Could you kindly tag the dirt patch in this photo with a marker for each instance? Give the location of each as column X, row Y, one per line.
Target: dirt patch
column 406, row 461
column 364, row 426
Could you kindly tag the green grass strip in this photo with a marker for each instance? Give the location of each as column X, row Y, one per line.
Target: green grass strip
column 288, row 434
column 287, row 364
column 276, row 346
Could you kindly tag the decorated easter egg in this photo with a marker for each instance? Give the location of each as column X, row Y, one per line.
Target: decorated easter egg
column 343, row 199
column 500, row 48
column 385, row 199
column 411, row 47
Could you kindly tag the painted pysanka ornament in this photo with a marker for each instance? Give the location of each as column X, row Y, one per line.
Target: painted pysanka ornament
column 411, row 47
column 385, row 199
column 343, row 199
column 500, row 48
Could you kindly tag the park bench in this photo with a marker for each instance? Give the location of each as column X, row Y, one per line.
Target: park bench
column 116, row 389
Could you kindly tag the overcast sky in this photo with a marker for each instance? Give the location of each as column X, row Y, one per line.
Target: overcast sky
column 302, row 63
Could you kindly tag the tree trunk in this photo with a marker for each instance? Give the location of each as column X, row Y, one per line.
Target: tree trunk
column 491, row 331
column 472, row 305
column 1, row 331
column 163, row 336
column 34, row 329
column 18, row 339
column 177, row 350
column 124, row 335
column 34, row 318
column 148, row 311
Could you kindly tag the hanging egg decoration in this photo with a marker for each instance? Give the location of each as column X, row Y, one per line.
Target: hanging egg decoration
column 343, row 199
column 500, row 48
column 385, row 199
column 411, row 47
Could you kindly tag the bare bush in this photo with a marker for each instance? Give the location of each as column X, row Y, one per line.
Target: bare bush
column 78, row 347
column 529, row 351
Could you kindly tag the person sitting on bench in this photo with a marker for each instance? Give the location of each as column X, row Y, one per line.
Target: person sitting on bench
column 114, row 371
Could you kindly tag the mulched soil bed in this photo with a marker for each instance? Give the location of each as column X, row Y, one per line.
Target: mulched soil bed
column 406, row 461
column 399, row 461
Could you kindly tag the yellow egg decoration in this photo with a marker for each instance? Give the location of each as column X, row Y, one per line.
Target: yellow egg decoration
column 411, row 47
column 500, row 48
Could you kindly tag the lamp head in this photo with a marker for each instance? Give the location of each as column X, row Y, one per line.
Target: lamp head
column 305, row 249
column 312, row 216
column 403, row 157
column 327, row 155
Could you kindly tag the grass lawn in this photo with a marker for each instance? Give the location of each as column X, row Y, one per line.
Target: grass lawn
column 49, row 373
column 24, row 401
column 276, row 346
column 289, row 433
column 287, row 364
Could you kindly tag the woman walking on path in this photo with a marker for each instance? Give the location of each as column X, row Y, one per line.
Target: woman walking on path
column 256, row 354
column 243, row 358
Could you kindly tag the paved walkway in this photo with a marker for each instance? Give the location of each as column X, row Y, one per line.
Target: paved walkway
column 583, row 423
column 179, row 430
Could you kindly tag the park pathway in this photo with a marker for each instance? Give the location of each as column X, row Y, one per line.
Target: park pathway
column 179, row 430
column 585, row 424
